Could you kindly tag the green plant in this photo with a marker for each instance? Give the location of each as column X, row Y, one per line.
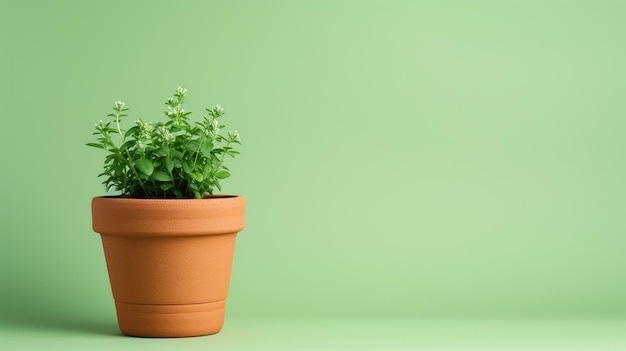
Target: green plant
column 174, row 159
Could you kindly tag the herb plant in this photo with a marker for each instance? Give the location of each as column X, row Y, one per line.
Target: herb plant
column 172, row 159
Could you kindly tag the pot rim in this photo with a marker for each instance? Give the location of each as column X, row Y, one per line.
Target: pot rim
column 117, row 215
column 207, row 197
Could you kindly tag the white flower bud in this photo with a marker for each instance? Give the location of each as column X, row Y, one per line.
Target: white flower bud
column 234, row 136
column 181, row 91
column 119, row 104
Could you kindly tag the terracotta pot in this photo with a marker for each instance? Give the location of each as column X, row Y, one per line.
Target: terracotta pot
column 169, row 261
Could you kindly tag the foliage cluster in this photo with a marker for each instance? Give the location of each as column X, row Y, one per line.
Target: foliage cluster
column 172, row 159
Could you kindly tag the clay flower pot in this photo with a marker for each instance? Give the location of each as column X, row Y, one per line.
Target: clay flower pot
column 169, row 261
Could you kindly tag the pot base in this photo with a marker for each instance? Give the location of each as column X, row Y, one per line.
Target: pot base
column 170, row 321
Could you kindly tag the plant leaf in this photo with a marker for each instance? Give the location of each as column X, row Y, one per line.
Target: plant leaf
column 193, row 146
column 131, row 131
column 169, row 164
column 222, row 174
column 145, row 166
column 127, row 145
column 186, row 166
column 166, row 186
column 207, row 146
column 99, row 146
column 198, row 177
column 161, row 176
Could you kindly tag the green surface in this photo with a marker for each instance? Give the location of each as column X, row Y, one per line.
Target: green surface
column 341, row 334
column 400, row 159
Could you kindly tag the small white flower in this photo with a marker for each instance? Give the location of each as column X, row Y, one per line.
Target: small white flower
column 119, row 104
column 215, row 127
column 164, row 134
column 181, row 91
column 218, row 109
column 234, row 136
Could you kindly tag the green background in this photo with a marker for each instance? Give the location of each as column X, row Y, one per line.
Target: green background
column 400, row 159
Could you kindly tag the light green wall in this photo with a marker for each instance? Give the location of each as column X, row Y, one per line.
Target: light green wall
column 400, row 158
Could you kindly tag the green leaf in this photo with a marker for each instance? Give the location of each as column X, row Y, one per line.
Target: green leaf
column 166, row 186
column 186, row 166
column 207, row 168
column 127, row 145
column 161, row 176
column 198, row 177
column 145, row 166
column 169, row 165
column 131, row 131
column 99, row 146
column 222, row 174
column 207, row 146
column 174, row 129
column 193, row 146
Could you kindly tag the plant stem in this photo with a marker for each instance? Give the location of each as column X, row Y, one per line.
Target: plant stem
column 169, row 157
column 132, row 167
column 195, row 160
column 223, row 155
column 129, row 158
column 119, row 130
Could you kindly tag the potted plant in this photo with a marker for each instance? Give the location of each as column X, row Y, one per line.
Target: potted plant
column 168, row 240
